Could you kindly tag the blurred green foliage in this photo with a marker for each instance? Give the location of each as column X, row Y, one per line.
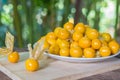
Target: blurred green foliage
column 28, row 20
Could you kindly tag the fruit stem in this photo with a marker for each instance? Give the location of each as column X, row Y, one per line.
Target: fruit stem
column 39, row 50
column 30, row 51
column 9, row 41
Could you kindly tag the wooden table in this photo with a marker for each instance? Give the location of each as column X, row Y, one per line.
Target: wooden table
column 110, row 75
column 4, row 76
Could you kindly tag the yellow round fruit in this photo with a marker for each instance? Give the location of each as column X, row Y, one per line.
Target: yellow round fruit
column 92, row 34
column 74, row 44
column 13, row 57
column 77, row 35
column 68, row 26
column 51, row 41
column 89, row 53
column 51, row 35
column 76, row 52
column 87, row 28
column 84, row 42
column 56, row 31
column 64, row 44
column 96, row 43
column 114, row 46
column 105, row 51
column 31, row 64
column 58, row 41
column 106, row 37
column 54, row 49
column 64, row 52
column 63, row 34
column 104, row 43
column 79, row 27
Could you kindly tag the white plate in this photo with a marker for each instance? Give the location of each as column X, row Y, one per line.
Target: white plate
column 70, row 59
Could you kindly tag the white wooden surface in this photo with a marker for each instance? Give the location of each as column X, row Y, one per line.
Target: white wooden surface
column 57, row 70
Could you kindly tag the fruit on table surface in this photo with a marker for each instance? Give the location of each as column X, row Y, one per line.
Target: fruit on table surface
column 31, row 64
column 13, row 57
column 80, row 40
column 36, row 53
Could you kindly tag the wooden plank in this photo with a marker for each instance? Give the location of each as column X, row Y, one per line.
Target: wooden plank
column 4, row 76
column 10, row 74
column 111, row 75
column 58, row 70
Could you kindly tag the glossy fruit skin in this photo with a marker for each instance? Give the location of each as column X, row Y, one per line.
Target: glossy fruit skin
column 13, row 57
column 84, row 42
column 58, row 41
column 51, row 35
column 68, row 26
column 92, row 34
column 114, row 46
column 63, row 34
column 31, row 64
column 76, row 36
column 91, row 43
column 106, row 37
column 54, row 49
column 96, row 43
column 89, row 53
column 64, row 52
column 105, row 51
column 74, row 44
column 56, row 31
column 50, row 41
column 79, row 27
column 104, row 43
column 64, row 44
column 87, row 28
column 76, row 52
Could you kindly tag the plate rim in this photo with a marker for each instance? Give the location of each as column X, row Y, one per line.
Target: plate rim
column 80, row 59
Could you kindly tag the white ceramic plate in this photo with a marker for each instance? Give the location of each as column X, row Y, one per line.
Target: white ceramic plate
column 70, row 59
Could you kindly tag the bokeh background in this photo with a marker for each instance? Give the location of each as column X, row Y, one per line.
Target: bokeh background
column 28, row 20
